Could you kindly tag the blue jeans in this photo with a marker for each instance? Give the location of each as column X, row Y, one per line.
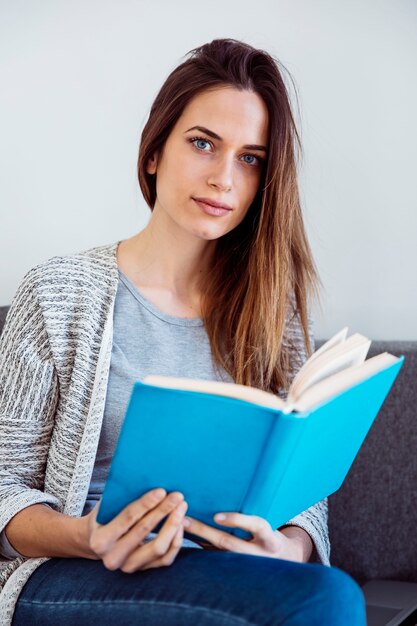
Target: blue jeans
column 201, row 587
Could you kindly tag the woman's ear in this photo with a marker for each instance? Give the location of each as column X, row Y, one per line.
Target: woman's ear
column 151, row 165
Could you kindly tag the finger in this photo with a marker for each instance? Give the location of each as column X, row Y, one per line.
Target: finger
column 170, row 556
column 153, row 550
column 258, row 526
column 133, row 511
column 117, row 554
column 168, row 531
column 158, row 547
column 134, row 523
column 218, row 538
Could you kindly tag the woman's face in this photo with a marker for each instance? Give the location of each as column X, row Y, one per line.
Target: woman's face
column 214, row 153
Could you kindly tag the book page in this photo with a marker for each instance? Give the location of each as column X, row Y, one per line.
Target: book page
column 220, row 388
column 349, row 353
column 336, row 384
column 337, row 339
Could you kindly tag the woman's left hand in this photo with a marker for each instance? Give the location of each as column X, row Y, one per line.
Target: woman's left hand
column 265, row 541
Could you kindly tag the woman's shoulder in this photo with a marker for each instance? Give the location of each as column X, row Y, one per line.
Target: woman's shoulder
column 90, row 267
column 63, row 294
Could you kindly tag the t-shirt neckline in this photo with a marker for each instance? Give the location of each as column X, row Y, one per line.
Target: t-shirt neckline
column 170, row 319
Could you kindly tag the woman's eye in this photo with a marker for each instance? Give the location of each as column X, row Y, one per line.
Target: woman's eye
column 200, row 143
column 251, row 159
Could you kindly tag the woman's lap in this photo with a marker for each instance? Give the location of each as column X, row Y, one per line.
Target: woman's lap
column 204, row 587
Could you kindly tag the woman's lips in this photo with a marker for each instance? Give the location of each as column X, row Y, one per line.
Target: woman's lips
column 209, row 209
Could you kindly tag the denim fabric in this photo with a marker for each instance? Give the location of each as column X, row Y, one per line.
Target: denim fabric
column 201, row 587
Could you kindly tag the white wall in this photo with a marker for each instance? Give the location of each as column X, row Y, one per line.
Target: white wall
column 77, row 78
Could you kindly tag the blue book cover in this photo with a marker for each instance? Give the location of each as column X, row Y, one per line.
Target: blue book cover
column 227, row 454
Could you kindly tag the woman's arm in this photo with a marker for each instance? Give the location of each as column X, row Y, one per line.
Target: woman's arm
column 301, row 542
column 38, row 530
column 28, row 398
column 314, row 523
column 120, row 544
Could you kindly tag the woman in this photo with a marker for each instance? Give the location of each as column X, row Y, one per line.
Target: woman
column 215, row 286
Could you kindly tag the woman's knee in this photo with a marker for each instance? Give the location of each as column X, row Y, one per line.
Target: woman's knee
column 335, row 599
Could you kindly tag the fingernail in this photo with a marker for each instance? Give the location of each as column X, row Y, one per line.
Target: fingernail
column 186, row 521
column 175, row 498
column 180, row 509
column 219, row 517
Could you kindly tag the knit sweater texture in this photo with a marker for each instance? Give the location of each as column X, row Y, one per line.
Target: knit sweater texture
column 55, row 353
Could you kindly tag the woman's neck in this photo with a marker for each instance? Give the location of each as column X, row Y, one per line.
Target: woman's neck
column 163, row 259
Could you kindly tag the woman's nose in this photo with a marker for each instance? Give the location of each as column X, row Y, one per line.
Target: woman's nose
column 221, row 174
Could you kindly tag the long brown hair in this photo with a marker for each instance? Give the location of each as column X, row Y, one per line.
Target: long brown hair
column 263, row 271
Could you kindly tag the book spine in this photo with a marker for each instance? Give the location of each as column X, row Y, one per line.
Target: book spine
column 273, row 461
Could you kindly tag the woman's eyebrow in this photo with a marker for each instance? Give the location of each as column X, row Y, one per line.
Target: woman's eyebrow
column 214, row 135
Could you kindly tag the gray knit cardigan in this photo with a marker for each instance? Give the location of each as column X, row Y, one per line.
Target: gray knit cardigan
column 55, row 353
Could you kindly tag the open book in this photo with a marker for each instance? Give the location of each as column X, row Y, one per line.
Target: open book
column 336, row 366
column 230, row 447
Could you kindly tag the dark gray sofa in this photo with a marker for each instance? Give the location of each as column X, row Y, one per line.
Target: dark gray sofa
column 373, row 516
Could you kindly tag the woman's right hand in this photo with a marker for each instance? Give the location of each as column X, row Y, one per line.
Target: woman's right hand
column 119, row 544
